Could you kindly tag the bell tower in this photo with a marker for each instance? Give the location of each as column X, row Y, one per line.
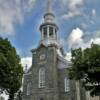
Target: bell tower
column 49, row 28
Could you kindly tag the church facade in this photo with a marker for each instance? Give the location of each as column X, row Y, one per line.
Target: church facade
column 47, row 79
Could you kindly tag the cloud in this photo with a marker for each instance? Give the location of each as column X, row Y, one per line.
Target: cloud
column 94, row 13
column 11, row 13
column 70, row 15
column 96, row 37
column 73, row 8
column 89, row 19
column 89, row 42
column 96, row 34
column 76, row 40
column 75, row 37
column 74, row 3
column 26, row 61
column 68, row 56
column 96, row 40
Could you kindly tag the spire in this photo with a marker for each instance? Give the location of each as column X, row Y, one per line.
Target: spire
column 49, row 10
column 49, row 16
column 49, row 28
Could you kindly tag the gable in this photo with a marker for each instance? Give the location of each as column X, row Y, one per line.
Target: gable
column 41, row 46
column 62, row 63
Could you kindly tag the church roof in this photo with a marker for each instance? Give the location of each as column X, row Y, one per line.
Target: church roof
column 46, row 44
column 62, row 62
column 49, row 43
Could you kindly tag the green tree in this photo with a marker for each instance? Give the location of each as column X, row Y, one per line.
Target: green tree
column 86, row 67
column 11, row 71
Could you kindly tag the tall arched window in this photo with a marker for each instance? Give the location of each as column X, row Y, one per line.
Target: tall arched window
column 67, row 84
column 41, row 77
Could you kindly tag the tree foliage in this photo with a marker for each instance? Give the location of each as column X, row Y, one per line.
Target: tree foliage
column 11, row 71
column 86, row 67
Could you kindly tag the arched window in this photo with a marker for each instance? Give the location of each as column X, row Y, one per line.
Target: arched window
column 41, row 77
column 67, row 84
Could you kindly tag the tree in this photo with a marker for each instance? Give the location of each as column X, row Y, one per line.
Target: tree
column 11, row 71
column 86, row 67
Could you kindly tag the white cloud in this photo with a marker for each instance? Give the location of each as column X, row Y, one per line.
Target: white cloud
column 12, row 13
column 68, row 56
column 73, row 7
column 93, row 12
column 74, row 3
column 96, row 40
column 76, row 40
column 96, row 34
column 75, row 37
column 26, row 61
column 70, row 15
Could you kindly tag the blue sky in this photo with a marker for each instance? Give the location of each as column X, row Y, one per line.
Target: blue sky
column 78, row 22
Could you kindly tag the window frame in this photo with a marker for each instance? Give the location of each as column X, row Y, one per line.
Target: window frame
column 67, row 84
column 41, row 77
column 51, row 32
column 45, row 31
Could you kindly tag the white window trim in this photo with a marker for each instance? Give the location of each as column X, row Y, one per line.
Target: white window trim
column 67, row 84
column 41, row 78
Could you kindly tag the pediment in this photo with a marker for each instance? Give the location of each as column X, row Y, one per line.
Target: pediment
column 39, row 47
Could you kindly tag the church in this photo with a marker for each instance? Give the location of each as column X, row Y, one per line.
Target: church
column 47, row 79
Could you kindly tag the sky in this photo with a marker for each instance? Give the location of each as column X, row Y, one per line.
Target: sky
column 78, row 22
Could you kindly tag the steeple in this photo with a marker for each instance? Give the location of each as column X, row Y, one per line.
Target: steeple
column 49, row 28
column 49, row 10
column 49, row 16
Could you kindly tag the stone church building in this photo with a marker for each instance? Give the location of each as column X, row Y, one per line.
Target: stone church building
column 47, row 78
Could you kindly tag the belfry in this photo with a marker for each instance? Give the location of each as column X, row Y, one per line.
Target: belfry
column 49, row 28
